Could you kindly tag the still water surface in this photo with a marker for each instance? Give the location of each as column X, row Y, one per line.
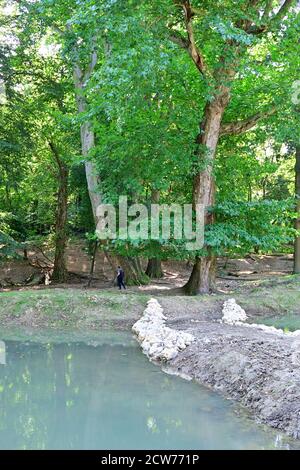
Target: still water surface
column 106, row 395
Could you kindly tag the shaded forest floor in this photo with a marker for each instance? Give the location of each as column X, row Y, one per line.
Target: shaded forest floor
column 263, row 285
column 234, row 275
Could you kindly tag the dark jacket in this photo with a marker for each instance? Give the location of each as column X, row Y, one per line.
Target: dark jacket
column 120, row 275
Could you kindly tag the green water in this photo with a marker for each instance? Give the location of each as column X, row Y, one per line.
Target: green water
column 288, row 322
column 108, row 396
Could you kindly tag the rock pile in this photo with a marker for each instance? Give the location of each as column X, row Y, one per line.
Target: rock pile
column 158, row 341
column 233, row 313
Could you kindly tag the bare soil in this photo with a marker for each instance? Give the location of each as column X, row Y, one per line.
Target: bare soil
column 260, row 370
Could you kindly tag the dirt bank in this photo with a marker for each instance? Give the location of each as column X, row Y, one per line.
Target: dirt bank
column 260, row 370
column 81, row 308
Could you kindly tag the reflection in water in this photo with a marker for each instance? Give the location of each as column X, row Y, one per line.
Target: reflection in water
column 108, row 396
column 2, row 353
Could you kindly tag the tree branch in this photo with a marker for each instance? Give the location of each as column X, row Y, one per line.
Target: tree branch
column 193, row 50
column 239, row 127
column 189, row 43
column 267, row 11
column 266, row 20
column 184, row 43
column 57, row 30
column 178, row 39
column 93, row 62
column 55, row 153
column 283, row 10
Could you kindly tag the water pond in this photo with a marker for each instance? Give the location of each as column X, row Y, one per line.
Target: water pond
column 103, row 393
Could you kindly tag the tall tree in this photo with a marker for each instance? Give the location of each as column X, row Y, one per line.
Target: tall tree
column 39, row 99
column 241, row 24
column 60, row 273
column 79, row 35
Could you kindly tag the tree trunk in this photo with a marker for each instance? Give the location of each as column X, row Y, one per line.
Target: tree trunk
column 154, row 269
column 133, row 273
column 87, row 137
column 202, row 278
column 60, row 272
column 93, row 263
column 297, row 222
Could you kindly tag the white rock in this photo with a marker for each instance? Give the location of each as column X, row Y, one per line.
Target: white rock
column 206, row 340
column 156, row 350
column 296, row 352
column 168, row 353
column 157, row 340
column 233, row 313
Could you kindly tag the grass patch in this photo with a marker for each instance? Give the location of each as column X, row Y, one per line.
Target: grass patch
column 278, row 299
column 59, row 308
column 285, row 322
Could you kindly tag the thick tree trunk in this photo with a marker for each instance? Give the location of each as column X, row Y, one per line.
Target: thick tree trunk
column 202, row 278
column 154, row 269
column 297, row 223
column 87, row 135
column 134, row 274
column 60, row 272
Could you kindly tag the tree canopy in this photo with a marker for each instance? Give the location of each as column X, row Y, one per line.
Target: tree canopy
column 171, row 101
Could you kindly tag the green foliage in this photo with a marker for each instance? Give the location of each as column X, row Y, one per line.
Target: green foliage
column 261, row 226
column 146, row 100
column 8, row 245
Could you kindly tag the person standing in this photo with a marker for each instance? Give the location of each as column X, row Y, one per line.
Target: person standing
column 120, row 278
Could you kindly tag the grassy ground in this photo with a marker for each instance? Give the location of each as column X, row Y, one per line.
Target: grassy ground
column 70, row 308
column 269, row 299
column 93, row 309
column 278, row 297
column 287, row 322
